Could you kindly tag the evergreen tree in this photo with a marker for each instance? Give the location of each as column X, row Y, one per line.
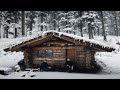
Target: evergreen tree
column 30, row 15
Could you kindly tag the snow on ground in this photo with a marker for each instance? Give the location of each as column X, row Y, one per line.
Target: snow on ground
column 9, row 59
column 111, row 61
column 58, row 75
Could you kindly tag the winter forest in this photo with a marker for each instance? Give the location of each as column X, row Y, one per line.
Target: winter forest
column 15, row 24
column 101, row 27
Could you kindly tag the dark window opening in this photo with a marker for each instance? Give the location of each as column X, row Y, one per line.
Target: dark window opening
column 45, row 53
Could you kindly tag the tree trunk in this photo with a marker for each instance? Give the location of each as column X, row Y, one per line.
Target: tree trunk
column 94, row 32
column 98, row 31
column 41, row 15
column 104, row 34
column 90, row 32
column 6, row 31
column 15, row 32
column 23, row 23
column 55, row 23
column 80, row 13
column 39, row 20
column 31, row 26
column 116, row 26
column 15, row 24
column 0, row 30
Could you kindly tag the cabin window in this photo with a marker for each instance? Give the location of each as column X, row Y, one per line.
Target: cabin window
column 45, row 53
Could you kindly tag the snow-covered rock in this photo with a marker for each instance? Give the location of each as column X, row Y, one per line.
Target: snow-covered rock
column 5, row 71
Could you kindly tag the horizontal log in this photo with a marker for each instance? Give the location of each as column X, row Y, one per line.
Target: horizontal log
column 50, row 62
column 77, row 54
column 62, row 47
column 81, row 62
column 58, row 51
column 81, row 52
column 47, row 48
column 52, row 59
column 81, row 56
column 54, row 56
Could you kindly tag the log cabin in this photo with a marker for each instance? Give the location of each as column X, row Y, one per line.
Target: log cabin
column 57, row 47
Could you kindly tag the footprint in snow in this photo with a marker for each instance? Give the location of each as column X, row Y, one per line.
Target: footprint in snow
column 23, row 75
column 32, row 76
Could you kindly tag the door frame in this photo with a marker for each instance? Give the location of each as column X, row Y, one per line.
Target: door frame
column 74, row 54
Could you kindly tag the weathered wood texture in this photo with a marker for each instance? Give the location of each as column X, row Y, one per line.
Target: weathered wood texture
column 58, row 57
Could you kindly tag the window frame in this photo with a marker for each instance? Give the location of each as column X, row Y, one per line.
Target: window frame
column 45, row 53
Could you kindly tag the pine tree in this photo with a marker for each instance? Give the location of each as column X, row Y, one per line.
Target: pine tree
column 30, row 16
column 42, row 16
column 17, row 16
column 8, row 17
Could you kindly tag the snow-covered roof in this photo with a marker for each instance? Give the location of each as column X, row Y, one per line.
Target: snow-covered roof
column 93, row 42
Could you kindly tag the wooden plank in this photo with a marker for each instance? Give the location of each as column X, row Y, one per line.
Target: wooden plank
column 45, row 48
column 80, row 53
column 50, row 62
column 80, row 56
column 52, row 59
column 58, row 51
column 58, row 48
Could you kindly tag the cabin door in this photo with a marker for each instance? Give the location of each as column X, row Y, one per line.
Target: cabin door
column 71, row 54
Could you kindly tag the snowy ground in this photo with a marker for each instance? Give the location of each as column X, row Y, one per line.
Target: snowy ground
column 58, row 75
column 110, row 61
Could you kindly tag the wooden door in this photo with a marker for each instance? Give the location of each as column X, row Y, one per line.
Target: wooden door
column 71, row 54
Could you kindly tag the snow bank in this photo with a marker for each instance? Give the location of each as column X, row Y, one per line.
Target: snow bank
column 57, row 75
column 9, row 59
column 111, row 60
column 5, row 69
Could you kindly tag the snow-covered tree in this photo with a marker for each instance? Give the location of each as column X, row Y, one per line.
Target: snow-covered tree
column 30, row 19
column 90, row 18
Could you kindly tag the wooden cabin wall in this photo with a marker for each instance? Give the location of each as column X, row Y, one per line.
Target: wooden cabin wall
column 93, row 59
column 59, row 56
column 28, row 57
column 84, row 56
column 90, row 58
column 80, row 56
